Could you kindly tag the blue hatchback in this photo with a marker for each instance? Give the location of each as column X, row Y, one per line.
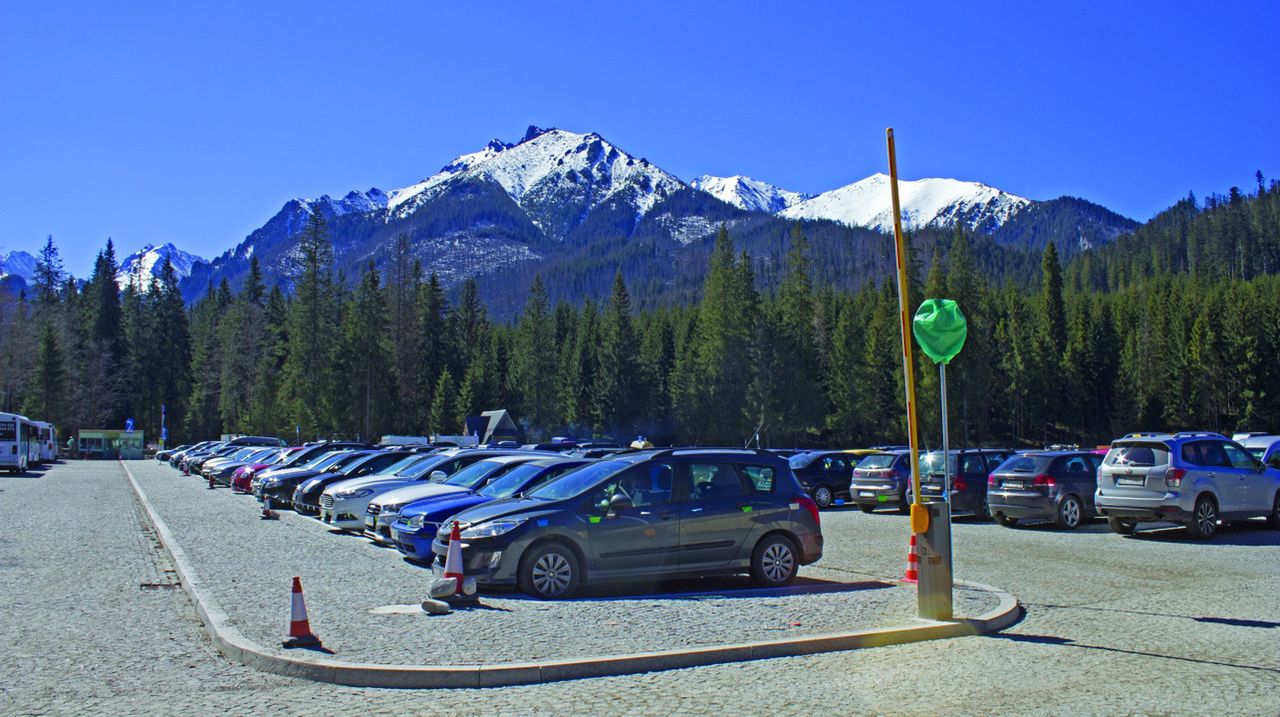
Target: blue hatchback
column 418, row 522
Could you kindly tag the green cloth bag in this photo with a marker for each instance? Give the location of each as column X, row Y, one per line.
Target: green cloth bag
column 940, row 329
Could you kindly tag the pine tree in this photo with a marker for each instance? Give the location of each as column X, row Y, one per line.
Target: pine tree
column 443, row 418
column 45, row 398
column 49, row 276
column 310, row 382
column 535, row 359
column 615, row 403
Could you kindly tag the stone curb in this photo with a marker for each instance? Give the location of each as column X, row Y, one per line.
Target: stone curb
column 235, row 646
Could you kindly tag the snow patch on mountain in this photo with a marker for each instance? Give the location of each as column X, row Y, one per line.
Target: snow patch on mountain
column 749, row 194
column 925, row 202
column 148, row 262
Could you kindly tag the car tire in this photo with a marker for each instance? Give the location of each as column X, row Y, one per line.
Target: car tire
column 866, row 508
column 904, row 504
column 551, row 571
column 823, row 496
column 1204, row 519
column 1121, row 526
column 1070, row 513
column 1273, row 518
column 1005, row 520
column 775, row 562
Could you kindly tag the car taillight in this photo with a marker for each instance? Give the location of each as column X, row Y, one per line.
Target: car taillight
column 807, row 503
column 1173, row 477
column 991, row 481
column 959, row 484
column 1044, row 480
column 892, row 475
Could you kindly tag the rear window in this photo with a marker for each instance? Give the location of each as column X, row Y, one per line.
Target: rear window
column 800, row 460
column 1141, row 455
column 931, row 463
column 760, row 477
column 8, row 430
column 1018, row 464
column 877, row 461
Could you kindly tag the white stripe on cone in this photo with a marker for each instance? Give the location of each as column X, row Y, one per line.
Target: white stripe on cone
column 453, row 559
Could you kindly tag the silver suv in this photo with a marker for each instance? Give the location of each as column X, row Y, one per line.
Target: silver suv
column 1195, row 479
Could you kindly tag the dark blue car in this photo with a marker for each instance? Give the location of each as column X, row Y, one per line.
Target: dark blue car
column 418, row 522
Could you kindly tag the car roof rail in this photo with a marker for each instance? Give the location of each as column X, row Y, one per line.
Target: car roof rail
column 1143, row 434
column 1198, row 434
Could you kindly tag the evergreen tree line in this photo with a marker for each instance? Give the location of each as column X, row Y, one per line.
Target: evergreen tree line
column 1174, row 327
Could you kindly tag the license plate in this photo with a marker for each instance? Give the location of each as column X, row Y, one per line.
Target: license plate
column 1015, row 484
column 1130, row 481
column 866, row 494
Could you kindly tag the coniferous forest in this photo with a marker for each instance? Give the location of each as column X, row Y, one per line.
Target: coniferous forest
column 1175, row 326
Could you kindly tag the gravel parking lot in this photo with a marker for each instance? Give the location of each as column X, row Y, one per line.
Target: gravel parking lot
column 1152, row 624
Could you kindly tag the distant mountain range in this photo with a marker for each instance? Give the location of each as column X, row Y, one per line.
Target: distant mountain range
column 148, row 262
column 575, row 208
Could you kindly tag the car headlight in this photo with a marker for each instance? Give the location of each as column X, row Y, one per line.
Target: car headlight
column 357, row 493
column 492, row 529
column 417, row 522
column 270, row 483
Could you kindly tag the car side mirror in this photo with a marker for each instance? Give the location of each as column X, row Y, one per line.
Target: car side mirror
column 1259, row 467
column 437, row 476
column 619, row 501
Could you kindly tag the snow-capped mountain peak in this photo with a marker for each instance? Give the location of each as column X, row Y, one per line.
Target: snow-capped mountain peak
column 546, row 163
column 925, row 202
column 148, row 262
column 749, row 194
column 18, row 263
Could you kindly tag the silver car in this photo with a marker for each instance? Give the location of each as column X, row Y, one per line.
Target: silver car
column 1196, row 479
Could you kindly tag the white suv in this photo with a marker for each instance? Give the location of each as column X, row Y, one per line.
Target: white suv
column 1195, row 479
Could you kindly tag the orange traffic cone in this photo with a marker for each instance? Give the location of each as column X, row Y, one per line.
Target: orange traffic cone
column 267, row 512
column 453, row 559
column 211, row 486
column 299, row 627
column 912, row 561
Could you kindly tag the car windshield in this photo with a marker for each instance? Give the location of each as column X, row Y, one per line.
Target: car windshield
column 399, row 465
column 326, row 460
column 1257, row 452
column 474, row 474
column 422, row 468
column 511, row 483
column 800, row 460
column 877, row 461
column 579, row 481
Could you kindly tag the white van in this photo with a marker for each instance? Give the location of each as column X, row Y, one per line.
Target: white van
column 15, row 438
column 48, row 435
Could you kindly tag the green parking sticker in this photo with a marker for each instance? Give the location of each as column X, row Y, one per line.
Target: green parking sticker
column 883, row 499
column 746, row 509
column 594, row 519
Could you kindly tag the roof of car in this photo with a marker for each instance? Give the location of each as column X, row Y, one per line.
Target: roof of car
column 1259, row 441
column 1055, row 454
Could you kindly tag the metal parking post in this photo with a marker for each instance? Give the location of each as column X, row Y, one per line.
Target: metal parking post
column 940, row 329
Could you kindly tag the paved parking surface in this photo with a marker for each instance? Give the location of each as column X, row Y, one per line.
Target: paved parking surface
column 1155, row 624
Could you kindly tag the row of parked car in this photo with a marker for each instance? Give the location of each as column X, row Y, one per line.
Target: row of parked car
column 544, row 521
column 1197, row 479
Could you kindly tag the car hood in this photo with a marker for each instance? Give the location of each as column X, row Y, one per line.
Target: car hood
column 375, row 481
column 443, row 506
column 526, row 507
column 412, row 493
column 286, row 476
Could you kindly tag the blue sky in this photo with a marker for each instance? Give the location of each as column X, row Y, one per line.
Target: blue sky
column 194, row 122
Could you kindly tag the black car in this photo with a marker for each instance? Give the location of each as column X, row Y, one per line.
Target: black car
column 279, row 488
column 825, row 474
column 645, row 515
column 306, row 496
column 968, row 468
column 1049, row 485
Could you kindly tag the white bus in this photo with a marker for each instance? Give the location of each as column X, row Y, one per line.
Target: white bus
column 15, row 443
column 48, row 441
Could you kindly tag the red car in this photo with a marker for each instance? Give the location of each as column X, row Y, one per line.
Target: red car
column 243, row 477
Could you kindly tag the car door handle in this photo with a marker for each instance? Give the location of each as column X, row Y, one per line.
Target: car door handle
column 667, row 515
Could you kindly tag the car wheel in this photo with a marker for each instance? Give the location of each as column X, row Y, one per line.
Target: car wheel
column 866, row 508
column 1122, row 526
column 774, row 562
column 1273, row 518
column 1005, row 520
column 823, row 497
column 550, row 572
column 904, row 504
column 1069, row 513
column 1204, row 519
column 984, row 513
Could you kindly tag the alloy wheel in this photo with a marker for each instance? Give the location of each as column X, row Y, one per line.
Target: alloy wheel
column 551, row 574
column 778, row 562
column 1206, row 518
